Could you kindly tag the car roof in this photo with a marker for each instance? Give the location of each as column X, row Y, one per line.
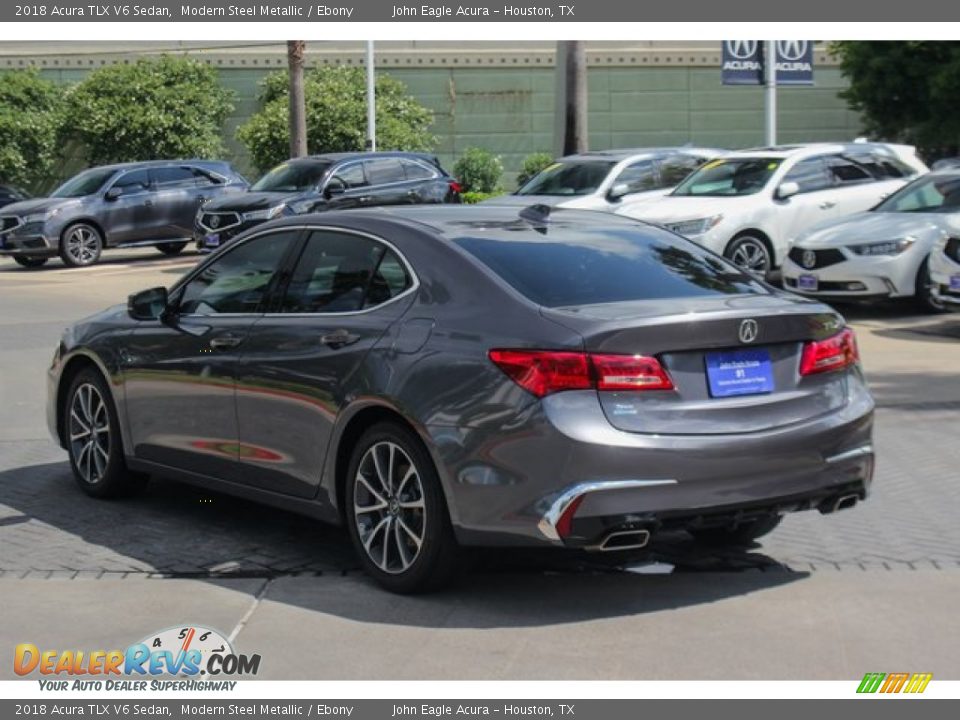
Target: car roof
column 364, row 155
column 620, row 154
column 162, row 163
column 800, row 150
column 454, row 221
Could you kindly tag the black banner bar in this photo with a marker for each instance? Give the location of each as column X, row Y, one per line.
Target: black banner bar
column 570, row 11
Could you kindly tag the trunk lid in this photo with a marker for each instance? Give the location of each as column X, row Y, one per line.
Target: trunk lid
column 722, row 384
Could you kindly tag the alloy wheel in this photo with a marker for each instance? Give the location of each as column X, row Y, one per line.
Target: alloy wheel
column 751, row 255
column 388, row 507
column 82, row 245
column 89, row 432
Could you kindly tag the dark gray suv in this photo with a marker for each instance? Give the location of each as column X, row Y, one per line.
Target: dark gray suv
column 132, row 204
column 446, row 376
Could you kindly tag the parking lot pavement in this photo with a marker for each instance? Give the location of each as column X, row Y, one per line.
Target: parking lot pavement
column 895, row 556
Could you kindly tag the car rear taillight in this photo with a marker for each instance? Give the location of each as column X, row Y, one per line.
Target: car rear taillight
column 834, row 353
column 456, row 187
column 546, row 371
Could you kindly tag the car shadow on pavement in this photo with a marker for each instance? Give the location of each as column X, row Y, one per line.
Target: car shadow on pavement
column 47, row 525
column 899, row 390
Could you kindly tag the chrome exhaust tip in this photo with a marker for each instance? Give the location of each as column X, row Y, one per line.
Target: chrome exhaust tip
column 622, row 540
column 845, row 502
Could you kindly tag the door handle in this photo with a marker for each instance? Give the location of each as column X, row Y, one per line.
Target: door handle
column 339, row 338
column 363, row 199
column 225, row 342
column 827, row 204
column 413, row 193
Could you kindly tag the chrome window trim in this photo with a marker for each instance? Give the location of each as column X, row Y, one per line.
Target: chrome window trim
column 415, row 285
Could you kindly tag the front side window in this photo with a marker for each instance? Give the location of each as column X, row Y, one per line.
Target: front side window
column 569, row 178
column 133, row 182
column 638, row 176
column 734, row 177
column 237, row 281
column 810, row 175
column 341, row 272
column 933, row 194
column 348, row 177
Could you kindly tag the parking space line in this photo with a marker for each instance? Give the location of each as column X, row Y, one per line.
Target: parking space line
column 252, row 609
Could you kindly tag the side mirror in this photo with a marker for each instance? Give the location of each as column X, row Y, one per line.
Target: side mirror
column 112, row 194
column 333, row 191
column 148, row 304
column 787, row 189
column 618, row 191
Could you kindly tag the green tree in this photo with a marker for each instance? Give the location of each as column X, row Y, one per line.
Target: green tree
column 336, row 116
column 30, row 117
column 532, row 164
column 905, row 91
column 161, row 108
column 478, row 171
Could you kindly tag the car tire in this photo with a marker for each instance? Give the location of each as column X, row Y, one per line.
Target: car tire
column 172, row 248
column 924, row 298
column 742, row 534
column 92, row 434
column 81, row 245
column 29, row 262
column 749, row 252
column 396, row 513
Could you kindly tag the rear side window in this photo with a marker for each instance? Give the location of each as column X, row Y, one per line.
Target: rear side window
column 571, row 266
column 847, row 172
column 172, row 177
column 416, row 171
column 384, row 171
column 340, row 272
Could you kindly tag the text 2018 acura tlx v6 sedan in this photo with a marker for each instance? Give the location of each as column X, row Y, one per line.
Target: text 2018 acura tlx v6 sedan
column 441, row 377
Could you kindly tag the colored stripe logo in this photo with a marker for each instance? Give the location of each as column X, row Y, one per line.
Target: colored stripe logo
column 888, row 683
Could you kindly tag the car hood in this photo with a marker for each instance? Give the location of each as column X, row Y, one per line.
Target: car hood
column 250, row 201
column 872, row 226
column 674, row 208
column 36, row 205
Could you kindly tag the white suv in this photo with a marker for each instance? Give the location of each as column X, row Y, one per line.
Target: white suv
column 749, row 205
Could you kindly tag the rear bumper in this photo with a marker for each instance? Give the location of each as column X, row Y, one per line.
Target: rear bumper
column 512, row 486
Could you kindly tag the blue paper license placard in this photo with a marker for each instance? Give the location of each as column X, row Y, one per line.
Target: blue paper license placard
column 739, row 372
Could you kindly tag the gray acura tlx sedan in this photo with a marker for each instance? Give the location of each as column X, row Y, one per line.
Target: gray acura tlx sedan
column 442, row 377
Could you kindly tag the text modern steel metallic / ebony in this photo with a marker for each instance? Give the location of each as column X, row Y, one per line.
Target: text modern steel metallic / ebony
column 440, row 377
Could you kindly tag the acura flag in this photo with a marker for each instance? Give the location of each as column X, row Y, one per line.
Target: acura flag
column 742, row 62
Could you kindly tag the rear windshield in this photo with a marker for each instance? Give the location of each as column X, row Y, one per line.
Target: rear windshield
column 566, row 266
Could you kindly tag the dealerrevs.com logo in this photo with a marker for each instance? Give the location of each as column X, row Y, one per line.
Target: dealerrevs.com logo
column 189, row 657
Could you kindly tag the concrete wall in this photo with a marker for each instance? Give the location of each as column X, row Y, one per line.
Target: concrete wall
column 500, row 96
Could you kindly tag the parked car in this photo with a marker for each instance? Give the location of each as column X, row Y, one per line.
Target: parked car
column 881, row 253
column 608, row 179
column 10, row 194
column 945, row 271
column 336, row 181
column 748, row 206
column 126, row 205
column 441, row 376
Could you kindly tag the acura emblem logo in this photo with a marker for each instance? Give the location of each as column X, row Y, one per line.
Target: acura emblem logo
column 742, row 49
column 792, row 50
column 809, row 259
column 748, row 331
column 214, row 221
